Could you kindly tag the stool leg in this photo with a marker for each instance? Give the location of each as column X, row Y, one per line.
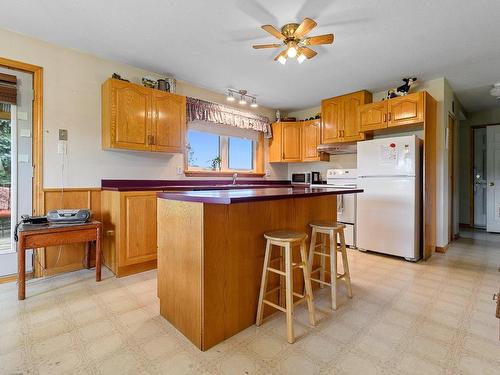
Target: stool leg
column 333, row 268
column 323, row 261
column 263, row 285
column 289, row 293
column 312, row 249
column 307, row 282
column 345, row 264
column 282, row 278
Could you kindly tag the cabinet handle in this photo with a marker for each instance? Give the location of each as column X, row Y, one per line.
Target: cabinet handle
column 385, row 117
column 389, row 116
column 151, row 140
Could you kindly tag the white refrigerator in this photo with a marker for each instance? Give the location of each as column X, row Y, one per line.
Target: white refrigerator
column 389, row 209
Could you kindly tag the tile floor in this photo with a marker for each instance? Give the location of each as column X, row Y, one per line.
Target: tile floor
column 434, row 317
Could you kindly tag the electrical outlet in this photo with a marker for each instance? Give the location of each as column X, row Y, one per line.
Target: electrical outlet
column 179, row 171
column 63, row 134
column 268, row 173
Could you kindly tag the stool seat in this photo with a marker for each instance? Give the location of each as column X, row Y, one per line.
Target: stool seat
column 285, row 236
column 324, row 224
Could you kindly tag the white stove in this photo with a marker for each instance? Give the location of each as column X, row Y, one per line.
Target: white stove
column 346, row 204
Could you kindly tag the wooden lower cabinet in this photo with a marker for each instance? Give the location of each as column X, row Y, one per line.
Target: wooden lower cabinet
column 129, row 231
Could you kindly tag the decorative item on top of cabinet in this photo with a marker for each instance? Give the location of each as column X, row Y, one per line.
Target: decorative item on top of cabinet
column 141, row 119
column 295, row 142
column 129, row 231
column 403, row 110
column 340, row 117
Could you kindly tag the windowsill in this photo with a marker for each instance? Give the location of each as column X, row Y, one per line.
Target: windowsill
column 222, row 174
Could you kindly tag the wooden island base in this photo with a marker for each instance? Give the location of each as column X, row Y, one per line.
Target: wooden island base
column 210, row 259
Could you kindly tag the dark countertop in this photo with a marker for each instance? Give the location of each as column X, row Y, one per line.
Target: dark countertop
column 251, row 195
column 186, row 185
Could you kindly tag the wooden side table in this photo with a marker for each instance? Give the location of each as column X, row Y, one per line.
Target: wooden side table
column 33, row 237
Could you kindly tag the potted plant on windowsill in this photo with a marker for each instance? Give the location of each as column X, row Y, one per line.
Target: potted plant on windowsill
column 215, row 163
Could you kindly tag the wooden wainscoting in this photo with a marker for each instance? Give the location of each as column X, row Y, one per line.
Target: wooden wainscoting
column 58, row 259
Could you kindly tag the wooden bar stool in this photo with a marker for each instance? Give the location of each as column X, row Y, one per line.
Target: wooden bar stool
column 332, row 230
column 285, row 240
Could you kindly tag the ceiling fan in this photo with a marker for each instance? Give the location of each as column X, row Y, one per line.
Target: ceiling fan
column 293, row 37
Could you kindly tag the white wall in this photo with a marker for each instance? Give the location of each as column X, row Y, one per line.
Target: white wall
column 72, row 100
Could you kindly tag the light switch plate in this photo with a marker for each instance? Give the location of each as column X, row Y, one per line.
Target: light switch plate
column 63, row 134
column 61, row 147
column 22, row 115
column 25, row 133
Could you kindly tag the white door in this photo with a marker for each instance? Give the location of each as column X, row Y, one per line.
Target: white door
column 480, row 178
column 388, row 216
column 493, row 178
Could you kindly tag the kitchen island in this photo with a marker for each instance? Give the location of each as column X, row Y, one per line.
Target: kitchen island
column 211, row 253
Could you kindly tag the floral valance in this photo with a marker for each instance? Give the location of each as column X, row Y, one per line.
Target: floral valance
column 221, row 114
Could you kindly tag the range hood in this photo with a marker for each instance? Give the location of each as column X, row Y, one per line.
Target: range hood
column 338, row 148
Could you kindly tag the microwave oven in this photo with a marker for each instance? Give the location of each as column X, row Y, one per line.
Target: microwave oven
column 301, row 178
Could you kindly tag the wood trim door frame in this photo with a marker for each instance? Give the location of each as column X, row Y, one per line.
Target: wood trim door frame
column 471, row 169
column 451, row 175
column 38, row 201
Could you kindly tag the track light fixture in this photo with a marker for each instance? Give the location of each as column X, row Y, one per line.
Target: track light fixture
column 244, row 97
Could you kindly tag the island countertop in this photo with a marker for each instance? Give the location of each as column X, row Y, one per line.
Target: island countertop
column 251, row 195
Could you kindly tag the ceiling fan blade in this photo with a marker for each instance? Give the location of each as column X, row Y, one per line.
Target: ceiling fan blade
column 309, row 53
column 282, row 53
column 317, row 40
column 273, row 31
column 260, row 46
column 306, row 26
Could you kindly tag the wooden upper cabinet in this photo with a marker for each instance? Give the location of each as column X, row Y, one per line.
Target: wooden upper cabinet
column 291, row 137
column 130, row 116
column 340, row 117
column 331, row 118
column 406, row 110
column 169, row 122
column 310, row 140
column 141, row 119
column 373, row 116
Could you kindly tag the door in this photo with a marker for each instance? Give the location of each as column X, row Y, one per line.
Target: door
column 131, row 119
column 373, row 116
column 451, row 177
column 291, row 138
column 310, row 140
column 331, row 120
column 351, row 127
column 493, row 178
column 406, row 110
column 139, row 218
column 479, row 177
column 169, row 117
column 388, row 216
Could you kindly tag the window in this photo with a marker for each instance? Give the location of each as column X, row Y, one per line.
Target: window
column 219, row 149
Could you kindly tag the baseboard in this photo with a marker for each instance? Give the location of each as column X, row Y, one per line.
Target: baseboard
column 11, row 278
column 464, row 225
column 442, row 249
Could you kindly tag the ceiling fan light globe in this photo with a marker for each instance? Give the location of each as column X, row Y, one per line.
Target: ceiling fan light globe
column 254, row 105
column 301, row 58
column 282, row 60
column 291, row 52
column 230, row 98
column 242, row 102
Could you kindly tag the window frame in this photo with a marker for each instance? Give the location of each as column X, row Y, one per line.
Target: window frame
column 257, row 159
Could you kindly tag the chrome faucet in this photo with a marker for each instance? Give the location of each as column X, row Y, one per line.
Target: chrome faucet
column 235, row 176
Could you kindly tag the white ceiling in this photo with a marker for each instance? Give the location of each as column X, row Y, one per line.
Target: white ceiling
column 208, row 42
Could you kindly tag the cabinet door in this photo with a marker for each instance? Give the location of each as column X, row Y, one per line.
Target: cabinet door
column 275, row 145
column 373, row 116
column 291, row 141
column 351, row 130
column 138, row 219
column 310, row 140
column 331, row 119
column 406, row 110
column 169, row 118
column 130, row 117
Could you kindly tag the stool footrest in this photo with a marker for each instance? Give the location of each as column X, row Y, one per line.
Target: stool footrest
column 320, row 281
column 276, row 271
column 278, row 307
column 273, row 290
column 299, row 301
column 321, row 254
column 298, row 265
